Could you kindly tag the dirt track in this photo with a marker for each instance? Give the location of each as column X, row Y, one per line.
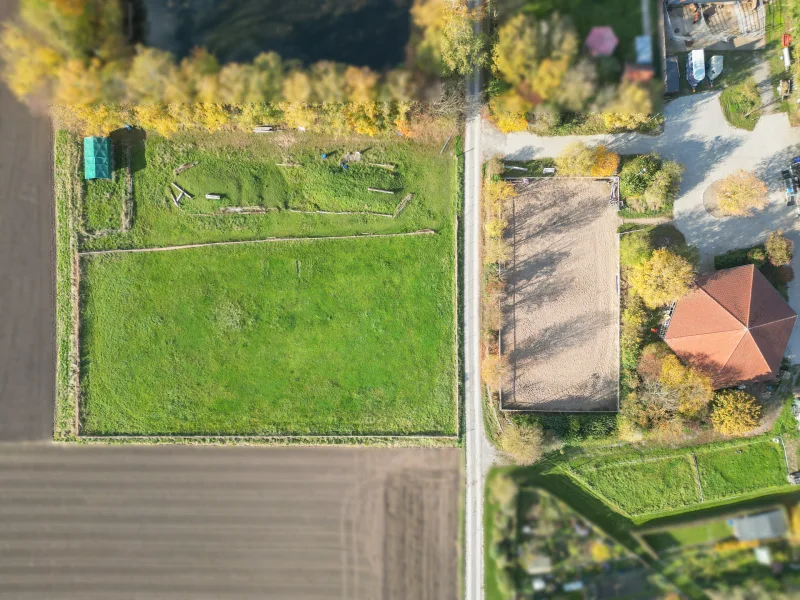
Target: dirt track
column 98, row 522
column 561, row 312
column 27, row 288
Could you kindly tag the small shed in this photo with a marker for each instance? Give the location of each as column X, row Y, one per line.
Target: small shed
column 97, row 161
column 765, row 526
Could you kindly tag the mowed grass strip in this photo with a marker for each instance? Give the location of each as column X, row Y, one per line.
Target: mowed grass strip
column 732, row 471
column 646, row 487
column 327, row 337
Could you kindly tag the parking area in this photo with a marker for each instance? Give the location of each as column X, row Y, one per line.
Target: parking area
column 562, row 302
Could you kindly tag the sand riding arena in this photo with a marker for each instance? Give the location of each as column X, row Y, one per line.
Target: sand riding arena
column 561, row 310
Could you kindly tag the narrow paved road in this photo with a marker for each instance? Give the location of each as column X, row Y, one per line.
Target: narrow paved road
column 27, row 281
column 480, row 453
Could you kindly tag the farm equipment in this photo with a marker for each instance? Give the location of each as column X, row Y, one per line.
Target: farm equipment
column 695, row 68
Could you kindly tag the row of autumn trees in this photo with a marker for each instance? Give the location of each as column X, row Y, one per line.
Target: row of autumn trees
column 73, row 53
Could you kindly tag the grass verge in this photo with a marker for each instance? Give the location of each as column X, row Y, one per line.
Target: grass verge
column 741, row 104
column 67, row 195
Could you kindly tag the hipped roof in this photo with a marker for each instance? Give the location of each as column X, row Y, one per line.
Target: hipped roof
column 734, row 327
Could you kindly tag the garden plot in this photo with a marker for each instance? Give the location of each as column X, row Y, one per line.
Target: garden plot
column 733, row 471
column 647, row 486
column 562, row 306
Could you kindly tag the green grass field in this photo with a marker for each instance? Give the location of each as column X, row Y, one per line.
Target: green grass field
column 691, row 535
column 242, row 168
column 647, row 486
column 732, row 471
column 103, row 199
column 316, row 184
column 331, row 337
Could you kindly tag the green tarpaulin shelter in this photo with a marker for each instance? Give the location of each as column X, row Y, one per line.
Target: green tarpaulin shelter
column 97, row 157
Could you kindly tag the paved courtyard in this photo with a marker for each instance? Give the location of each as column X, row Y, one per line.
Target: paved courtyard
column 697, row 135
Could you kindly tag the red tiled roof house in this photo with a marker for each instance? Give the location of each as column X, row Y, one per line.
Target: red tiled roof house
column 734, row 327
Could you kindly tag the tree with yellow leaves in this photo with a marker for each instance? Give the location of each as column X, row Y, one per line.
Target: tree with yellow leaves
column 664, row 277
column 462, row 49
column 735, row 412
column 29, row 63
column 360, row 84
column 693, row 388
column 742, row 193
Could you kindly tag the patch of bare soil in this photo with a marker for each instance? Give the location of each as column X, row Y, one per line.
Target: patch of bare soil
column 95, row 522
column 561, row 309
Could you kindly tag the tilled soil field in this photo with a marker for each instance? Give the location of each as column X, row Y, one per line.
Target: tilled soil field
column 173, row 522
column 27, row 263
column 561, row 309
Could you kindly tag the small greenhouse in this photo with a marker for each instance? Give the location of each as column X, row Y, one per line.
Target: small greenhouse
column 97, row 158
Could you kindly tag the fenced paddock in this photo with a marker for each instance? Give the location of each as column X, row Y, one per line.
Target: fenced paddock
column 688, row 478
column 561, row 310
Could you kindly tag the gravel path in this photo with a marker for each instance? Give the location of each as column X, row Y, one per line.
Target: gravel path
column 561, row 314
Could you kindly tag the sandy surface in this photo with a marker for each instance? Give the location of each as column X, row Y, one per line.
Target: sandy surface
column 561, row 312
column 169, row 522
column 27, row 279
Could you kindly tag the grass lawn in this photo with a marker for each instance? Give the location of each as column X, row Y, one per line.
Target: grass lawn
column 741, row 104
column 732, row 471
column 647, row 486
column 103, row 199
column 316, row 184
column 692, row 535
column 242, row 168
column 331, row 337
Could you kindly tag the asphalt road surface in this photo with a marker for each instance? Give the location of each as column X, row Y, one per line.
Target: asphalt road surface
column 172, row 522
column 27, row 280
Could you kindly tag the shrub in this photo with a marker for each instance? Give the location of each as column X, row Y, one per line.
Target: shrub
column 503, row 490
column 522, row 443
column 637, row 174
column 493, row 369
column 633, row 326
column 576, row 160
column 757, row 256
column 735, row 412
column 606, row 162
column 496, row 194
column 634, row 249
column 495, row 228
column 649, row 367
column 665, row 185
column 741, row 194
column 779, row 248
column 663, row 278
column 545, row 120
column 496, row 250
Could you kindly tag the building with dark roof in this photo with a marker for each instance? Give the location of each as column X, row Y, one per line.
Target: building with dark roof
column 734, row 327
